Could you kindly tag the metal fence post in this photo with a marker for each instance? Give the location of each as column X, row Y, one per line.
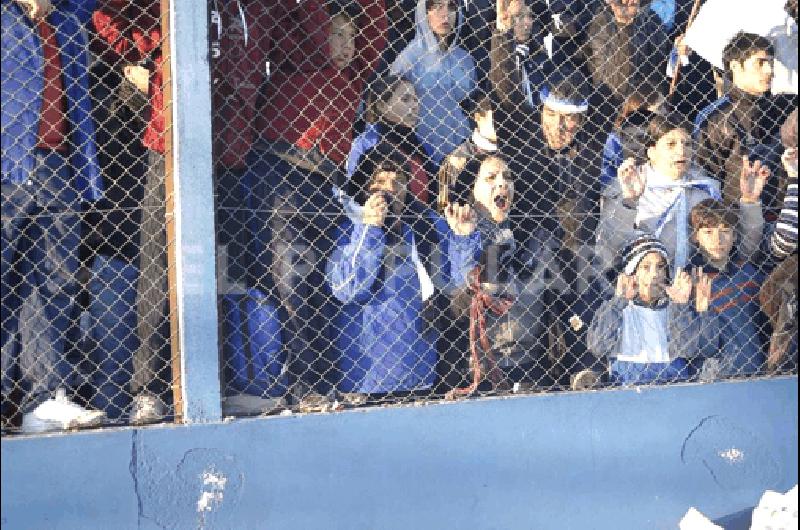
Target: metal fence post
column 195, row 291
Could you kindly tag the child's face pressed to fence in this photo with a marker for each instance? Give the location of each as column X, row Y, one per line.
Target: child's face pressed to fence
column 402, row 106
column 716, row 242
column 494, row 189
column 753, row 75
column 442, row 17
column 342, row 41
column 671, row 155
column 651, row 277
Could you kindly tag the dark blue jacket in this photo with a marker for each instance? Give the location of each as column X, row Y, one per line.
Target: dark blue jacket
column 735, row 334
column 385, row 343
column 22, row 85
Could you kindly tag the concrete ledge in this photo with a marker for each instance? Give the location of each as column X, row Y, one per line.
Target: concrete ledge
column 609, row 459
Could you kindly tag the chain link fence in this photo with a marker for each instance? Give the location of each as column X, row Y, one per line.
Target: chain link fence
column 85, row 319
column 415, row 201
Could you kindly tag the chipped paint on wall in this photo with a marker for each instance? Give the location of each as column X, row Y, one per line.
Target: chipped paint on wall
column 732, row 455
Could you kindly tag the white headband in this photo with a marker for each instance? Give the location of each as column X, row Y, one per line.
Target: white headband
column 562, row 105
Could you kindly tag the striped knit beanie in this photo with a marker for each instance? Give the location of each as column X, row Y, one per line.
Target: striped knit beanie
column 637, row 248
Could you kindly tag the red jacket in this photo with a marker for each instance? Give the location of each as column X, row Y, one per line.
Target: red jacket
column 240, row 49
column 132, row 33
column 308, row 101
column 240, row 44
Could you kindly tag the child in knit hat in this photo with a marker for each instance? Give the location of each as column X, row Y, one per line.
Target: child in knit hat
column 645, row 328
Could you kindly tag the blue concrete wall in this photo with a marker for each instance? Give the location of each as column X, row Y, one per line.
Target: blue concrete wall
column 614, row 459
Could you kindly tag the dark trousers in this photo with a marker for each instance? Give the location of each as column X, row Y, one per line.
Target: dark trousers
column 40, row 239
column 152, row 303
column 231, row 221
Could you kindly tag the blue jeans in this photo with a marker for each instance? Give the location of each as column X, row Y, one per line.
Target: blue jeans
column 630, row 373
column 110, row 334
column 40, row 239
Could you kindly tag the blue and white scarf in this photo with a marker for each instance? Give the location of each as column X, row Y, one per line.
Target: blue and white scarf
column 665, row 200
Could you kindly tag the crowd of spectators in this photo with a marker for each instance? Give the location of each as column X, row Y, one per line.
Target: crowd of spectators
column 430, row 198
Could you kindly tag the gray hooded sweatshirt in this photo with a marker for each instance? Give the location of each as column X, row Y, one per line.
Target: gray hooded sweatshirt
column 442, row 79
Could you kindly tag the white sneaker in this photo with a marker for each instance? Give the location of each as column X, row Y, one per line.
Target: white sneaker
column 60, row 414
column 146, row 409
column 585, row 380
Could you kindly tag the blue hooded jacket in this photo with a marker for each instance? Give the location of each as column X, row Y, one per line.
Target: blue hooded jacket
column 385, row 343
column 22, row 86
column 442, row 80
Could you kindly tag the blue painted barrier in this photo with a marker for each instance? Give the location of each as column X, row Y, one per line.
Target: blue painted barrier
column 615, row 459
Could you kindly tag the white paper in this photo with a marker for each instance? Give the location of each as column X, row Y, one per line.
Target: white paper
column 694, row 520
column 776, row 511
column 719, row 20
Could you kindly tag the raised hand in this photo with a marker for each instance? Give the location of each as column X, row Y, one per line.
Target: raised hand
column 502, row 19
column 461, row 218
column 626, row 287
column 139, row 76
column 632, row 179
column 752, row 180
column 680, row 46
column 681, row 289
column 702, row 290
column 789, row 160
column 375, row 210
column 36, row 9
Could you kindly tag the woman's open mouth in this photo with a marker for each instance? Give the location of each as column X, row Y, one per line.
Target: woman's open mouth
column 501, row 201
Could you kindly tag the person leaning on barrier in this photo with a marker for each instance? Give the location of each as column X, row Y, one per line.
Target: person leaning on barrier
column 657, row 196
column 381, row 269
column 392, row 111
column 49, row 166
column 296, row 174
column 650, row 329
column 742, row 126
column 443, row 74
